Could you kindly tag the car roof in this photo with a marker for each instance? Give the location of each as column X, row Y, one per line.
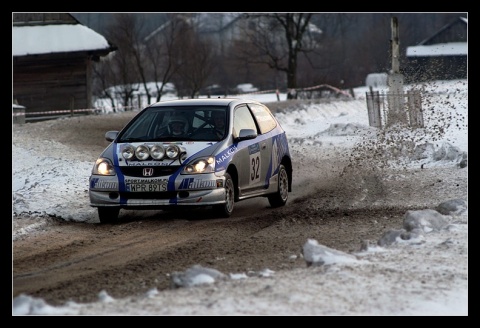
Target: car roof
column 204, row 102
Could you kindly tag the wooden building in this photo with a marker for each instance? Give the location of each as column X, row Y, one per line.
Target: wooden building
column 443, row 56
column 52, row 62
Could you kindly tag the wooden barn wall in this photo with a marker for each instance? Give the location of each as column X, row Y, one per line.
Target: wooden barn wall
column 51, row 83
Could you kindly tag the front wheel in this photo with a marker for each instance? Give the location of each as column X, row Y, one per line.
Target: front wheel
column 280, row 197
column 108, row 214
column 225, row 210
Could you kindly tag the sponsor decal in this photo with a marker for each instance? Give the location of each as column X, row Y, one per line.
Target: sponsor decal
column 150, row 163
column 191, row 183
column 100, row 184
column 154, row 180
column 282, row 145
column 226, row 154
column 255, row 148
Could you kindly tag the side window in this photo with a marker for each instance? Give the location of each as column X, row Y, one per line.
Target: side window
column 264, row 118
column 242, row 120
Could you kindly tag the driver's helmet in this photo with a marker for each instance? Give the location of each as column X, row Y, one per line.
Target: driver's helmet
column 179, row 129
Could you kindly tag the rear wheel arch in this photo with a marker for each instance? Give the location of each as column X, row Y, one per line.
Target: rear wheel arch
column 280, row 196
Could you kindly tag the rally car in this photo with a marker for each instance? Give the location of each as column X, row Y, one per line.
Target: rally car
column 193, row 152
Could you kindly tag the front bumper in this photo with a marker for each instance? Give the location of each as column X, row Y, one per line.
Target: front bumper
column 204, row 190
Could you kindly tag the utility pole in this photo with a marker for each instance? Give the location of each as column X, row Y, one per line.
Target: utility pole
column 396, row 113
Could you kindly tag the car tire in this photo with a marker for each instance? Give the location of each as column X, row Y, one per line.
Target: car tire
column 225, row 210
column 281, row 196
column 108, row 214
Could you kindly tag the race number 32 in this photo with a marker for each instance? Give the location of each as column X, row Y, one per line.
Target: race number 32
column 255, row 167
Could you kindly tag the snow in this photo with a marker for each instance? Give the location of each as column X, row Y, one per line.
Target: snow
column 35, row 40
column 47, row 183
column 246, row 87
column 439, row 49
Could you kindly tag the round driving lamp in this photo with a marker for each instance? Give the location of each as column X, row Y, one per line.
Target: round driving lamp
column 128, row 152
column 157, row 151
column 142, row 152
column 172, row 151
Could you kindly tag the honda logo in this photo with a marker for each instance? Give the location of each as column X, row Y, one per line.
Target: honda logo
column 147, row 172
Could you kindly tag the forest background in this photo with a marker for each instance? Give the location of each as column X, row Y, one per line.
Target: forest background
column 212, row 53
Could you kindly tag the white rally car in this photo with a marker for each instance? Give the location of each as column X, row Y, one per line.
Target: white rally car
column 195, row 152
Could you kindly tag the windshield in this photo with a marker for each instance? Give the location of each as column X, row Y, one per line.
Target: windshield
column 187, row 123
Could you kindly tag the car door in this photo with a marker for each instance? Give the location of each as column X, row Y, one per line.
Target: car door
column 250, row 154
column 267, row 139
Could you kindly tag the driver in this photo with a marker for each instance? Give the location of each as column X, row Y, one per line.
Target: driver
column 177, row 126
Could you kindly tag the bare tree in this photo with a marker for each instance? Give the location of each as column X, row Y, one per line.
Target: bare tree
column 344, row 50
column 239, row 67
column 270, row 50
column 162, row 49
column 125, row 76
column 195, row 61
column 103, row 73
column 130, row 28
column 278, row 39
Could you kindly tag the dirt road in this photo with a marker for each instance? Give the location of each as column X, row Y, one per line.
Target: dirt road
column 338, row 208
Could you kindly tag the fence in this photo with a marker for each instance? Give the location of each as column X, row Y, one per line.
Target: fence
column 140, row 101
column 21, row 116
column 379, row 105
column 18, row 114
column 319, row 91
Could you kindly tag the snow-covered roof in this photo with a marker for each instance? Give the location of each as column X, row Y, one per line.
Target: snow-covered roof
column 439, row 49
column 34, row 40
column 16, row 106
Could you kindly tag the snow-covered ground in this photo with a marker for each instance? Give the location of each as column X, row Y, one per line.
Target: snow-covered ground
column 382, row 279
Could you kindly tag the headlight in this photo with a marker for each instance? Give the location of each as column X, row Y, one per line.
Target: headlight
column 103, row 166
column 201, row 165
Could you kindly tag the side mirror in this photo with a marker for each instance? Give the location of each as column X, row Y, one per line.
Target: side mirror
column 111, row 135
column 246, row 134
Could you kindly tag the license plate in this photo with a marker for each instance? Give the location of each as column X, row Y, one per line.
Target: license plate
column 146, row 187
